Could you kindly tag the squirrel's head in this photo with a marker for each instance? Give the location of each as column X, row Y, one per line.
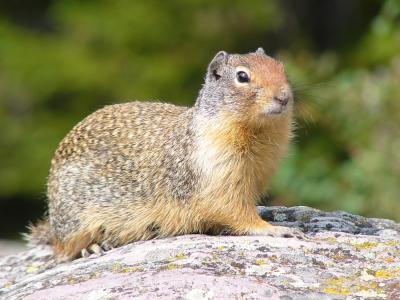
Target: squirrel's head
column 252, row 86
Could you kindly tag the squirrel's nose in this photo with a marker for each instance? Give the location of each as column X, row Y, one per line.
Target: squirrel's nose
column 282, row 97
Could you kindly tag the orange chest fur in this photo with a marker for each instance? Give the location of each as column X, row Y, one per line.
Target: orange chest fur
column 236, row 159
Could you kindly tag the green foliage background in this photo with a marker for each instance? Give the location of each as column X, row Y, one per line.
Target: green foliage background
column 61, row 60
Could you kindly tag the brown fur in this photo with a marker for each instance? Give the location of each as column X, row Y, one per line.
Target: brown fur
column 40, row 233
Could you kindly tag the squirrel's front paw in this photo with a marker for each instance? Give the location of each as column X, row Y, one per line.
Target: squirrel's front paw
column 280, row 231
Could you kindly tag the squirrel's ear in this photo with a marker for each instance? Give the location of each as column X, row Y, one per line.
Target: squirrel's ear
column 214, row 68
column 260, row 50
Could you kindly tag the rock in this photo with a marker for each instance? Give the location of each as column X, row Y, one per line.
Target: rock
column 313, row 220
column 344, row 256
column 10, row 247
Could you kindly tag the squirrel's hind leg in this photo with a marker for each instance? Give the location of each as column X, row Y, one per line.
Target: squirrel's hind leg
column 80, row 244
column 97, row 249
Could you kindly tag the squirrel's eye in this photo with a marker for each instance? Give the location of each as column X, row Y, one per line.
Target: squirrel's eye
column 242, row 77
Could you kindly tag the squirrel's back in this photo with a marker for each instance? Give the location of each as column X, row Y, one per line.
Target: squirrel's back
column 130, row 126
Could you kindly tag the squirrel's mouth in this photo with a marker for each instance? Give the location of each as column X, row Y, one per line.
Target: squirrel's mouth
column 275, row 108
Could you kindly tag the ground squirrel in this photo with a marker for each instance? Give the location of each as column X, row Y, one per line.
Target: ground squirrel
column 141, row 170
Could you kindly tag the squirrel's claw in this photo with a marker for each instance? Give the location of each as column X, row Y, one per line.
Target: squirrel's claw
column 92, row 249
column 106, row 246
column 85, row 253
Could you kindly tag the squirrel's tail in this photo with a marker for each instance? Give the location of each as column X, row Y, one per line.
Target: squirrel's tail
column 39, row 234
